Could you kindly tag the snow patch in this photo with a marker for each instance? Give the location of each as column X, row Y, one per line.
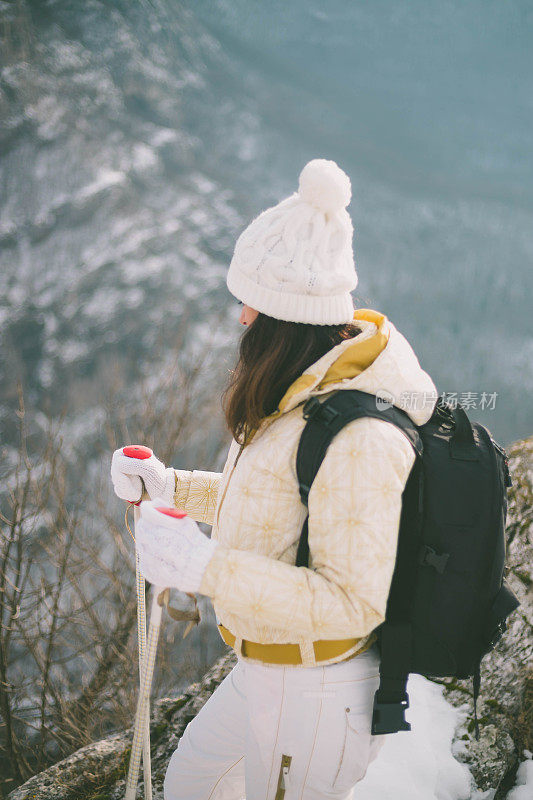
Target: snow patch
column 419, row 764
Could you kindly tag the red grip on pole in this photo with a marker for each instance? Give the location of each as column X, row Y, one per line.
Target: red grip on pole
column 177, row 513
column 137, row 451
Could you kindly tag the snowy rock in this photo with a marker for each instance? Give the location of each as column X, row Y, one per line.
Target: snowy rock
column 99, row 771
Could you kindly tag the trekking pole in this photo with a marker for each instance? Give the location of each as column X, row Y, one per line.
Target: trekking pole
column 141, row 733
column 146, row 651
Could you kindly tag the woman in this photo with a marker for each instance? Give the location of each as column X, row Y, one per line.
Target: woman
column 292, row 719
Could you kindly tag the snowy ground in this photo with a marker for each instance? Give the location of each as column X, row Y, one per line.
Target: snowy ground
column 419, row 764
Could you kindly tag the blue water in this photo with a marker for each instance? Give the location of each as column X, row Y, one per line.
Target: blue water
column 138, row 139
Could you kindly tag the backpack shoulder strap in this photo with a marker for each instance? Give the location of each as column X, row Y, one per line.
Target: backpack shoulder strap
column 324, row 420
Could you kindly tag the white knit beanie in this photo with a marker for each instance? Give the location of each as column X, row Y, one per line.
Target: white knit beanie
column 295, row 260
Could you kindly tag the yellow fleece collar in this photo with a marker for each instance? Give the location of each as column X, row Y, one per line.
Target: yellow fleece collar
column 345, row 360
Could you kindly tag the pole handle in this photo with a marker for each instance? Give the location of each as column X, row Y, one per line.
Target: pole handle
column 139, row 452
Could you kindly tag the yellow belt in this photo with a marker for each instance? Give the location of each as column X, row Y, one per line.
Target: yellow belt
column 290, row 653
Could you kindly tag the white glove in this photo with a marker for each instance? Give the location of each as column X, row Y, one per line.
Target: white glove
column 127, row 472
column 173, row 551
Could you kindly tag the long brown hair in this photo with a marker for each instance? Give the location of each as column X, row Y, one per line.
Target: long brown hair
column 272, row 354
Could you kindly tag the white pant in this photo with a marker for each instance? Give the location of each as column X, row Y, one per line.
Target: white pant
column 318, row 718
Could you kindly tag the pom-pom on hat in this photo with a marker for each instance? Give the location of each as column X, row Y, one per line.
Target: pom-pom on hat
column 295, row 260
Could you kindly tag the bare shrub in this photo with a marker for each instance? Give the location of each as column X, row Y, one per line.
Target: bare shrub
column 68, row 639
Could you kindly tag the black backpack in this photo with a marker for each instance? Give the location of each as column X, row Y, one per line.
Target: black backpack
column 448, row 600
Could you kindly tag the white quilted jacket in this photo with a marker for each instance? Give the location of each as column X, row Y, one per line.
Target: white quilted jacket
column 255, row 509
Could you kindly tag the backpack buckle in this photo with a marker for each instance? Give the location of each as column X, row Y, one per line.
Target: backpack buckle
column 304, row 493
column 314, row 408
column 389, row 717
column 427, row 556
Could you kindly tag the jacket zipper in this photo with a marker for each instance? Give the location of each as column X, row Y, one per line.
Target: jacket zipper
column 282, row 779
column 227, row 482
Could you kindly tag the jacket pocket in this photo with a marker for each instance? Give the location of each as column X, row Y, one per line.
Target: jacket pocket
column 359, row 749
column 283, row 777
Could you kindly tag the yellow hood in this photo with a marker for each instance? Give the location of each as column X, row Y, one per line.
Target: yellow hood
column 346, row 360
column 377, row 360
